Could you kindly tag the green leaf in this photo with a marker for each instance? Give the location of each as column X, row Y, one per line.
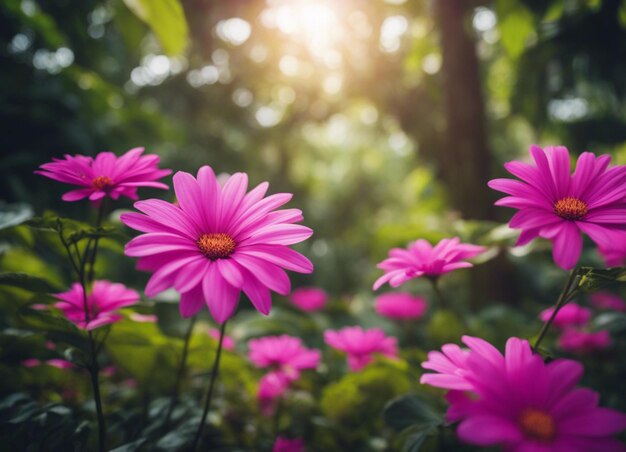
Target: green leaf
column 28, row 282
column 14, row 214
column 592, row 279
column 408, row 411
column 167, row 20
column 516, row 26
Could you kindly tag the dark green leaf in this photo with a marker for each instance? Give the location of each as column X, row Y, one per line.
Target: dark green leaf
column 27, row 282
column 411, row 410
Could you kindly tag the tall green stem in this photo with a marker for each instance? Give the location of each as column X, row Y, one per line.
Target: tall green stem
column 440, row 298
column 564, row 297
column 180, row 374
column 207, row 404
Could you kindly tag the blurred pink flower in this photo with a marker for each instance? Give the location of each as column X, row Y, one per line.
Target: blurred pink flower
column 614, row 256
column 569, row 315
column 283, row 444
column 228, row 342
column 60, row 363
column 361, row 345
column 106, row 174
column 143, row 318
column 108, row 371
column 609, row 301
column 309, row 298
column 271, row 387
column 218, row 242
column 400, row 305
column 102, row 303
column 31, row 362
column 558, row 206
column 283, row 353
column 584, row 342
column 422, row 259
column 519, row 402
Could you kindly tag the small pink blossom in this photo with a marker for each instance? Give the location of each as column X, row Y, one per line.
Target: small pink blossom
column 309, row 298
column 559, row 206
column 60, row 363
column 423, row 259
column 143, row 318
column 520, row 403
column 569, row 315
column 102, row 303
column 271, row 387
column 584, row 342
column 361, row 345
column 400, row 306
column 283, row 353
column 228, row 342
column 106, row 174
column 609, row 301
column 31, row 362
column 218, row 241
column 283, row 444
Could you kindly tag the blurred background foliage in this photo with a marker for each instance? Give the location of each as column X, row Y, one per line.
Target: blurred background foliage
column 385, row 118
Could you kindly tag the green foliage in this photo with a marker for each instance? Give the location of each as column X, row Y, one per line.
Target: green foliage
column 27, row 282
column 592, row 279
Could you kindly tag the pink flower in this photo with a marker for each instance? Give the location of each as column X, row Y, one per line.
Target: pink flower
column 102, row 303
column 228, row 342
column 288, row 445
column 309, row 298
column 271, row 387
column 584, row 342
column 361, row 345
column 400, row 305
column 60, row 363
column 608, row 300
column 143, row 318
column 422, row 259
column 218, row 242
column 521, row 403
column 558, row 206
column 614, row 256
column 106, row 174
column 569, row 315
column 283, row 353
column 31, row 362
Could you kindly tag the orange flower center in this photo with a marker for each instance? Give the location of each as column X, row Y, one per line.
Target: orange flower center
column 570, row 208
column 216, row 246
column 537, row 424
column 102, row 182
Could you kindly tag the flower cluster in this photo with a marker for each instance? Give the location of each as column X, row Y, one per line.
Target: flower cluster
column 520, row 402
column 361, row 345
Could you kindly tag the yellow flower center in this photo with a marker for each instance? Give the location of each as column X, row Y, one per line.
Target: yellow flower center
column 570, row 208
column 216, row 245
column 102, row 182
column 537, row 424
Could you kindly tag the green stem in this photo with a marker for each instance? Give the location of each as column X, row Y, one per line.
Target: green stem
column 92, row 261
column 181, row 373
column 440, row 298
column 565, row 296
column 207, row 404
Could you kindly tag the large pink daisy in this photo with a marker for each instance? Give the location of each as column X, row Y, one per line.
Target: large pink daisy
column 217, row 242
column 520, row 402
column 423, row 259
column 558, row 206
column 106, row 174
column 103, row 302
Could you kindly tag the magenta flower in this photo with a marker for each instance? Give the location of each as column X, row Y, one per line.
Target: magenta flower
column 309, row 298
column 584, row 342
column 55, row 362
column 569, row 315
column 558, row 206
column 271, row 388
column 450, row 366
column 614, row 256
column 228, row 342
column 400, row 306
column 521, row 403
column 609, row 301
column 284, row 354
column 143, row 318
column 361, row 345
column 283, row 444
column 102, row 303
column 218, row 242
column 422, row 259
column 106, row 174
